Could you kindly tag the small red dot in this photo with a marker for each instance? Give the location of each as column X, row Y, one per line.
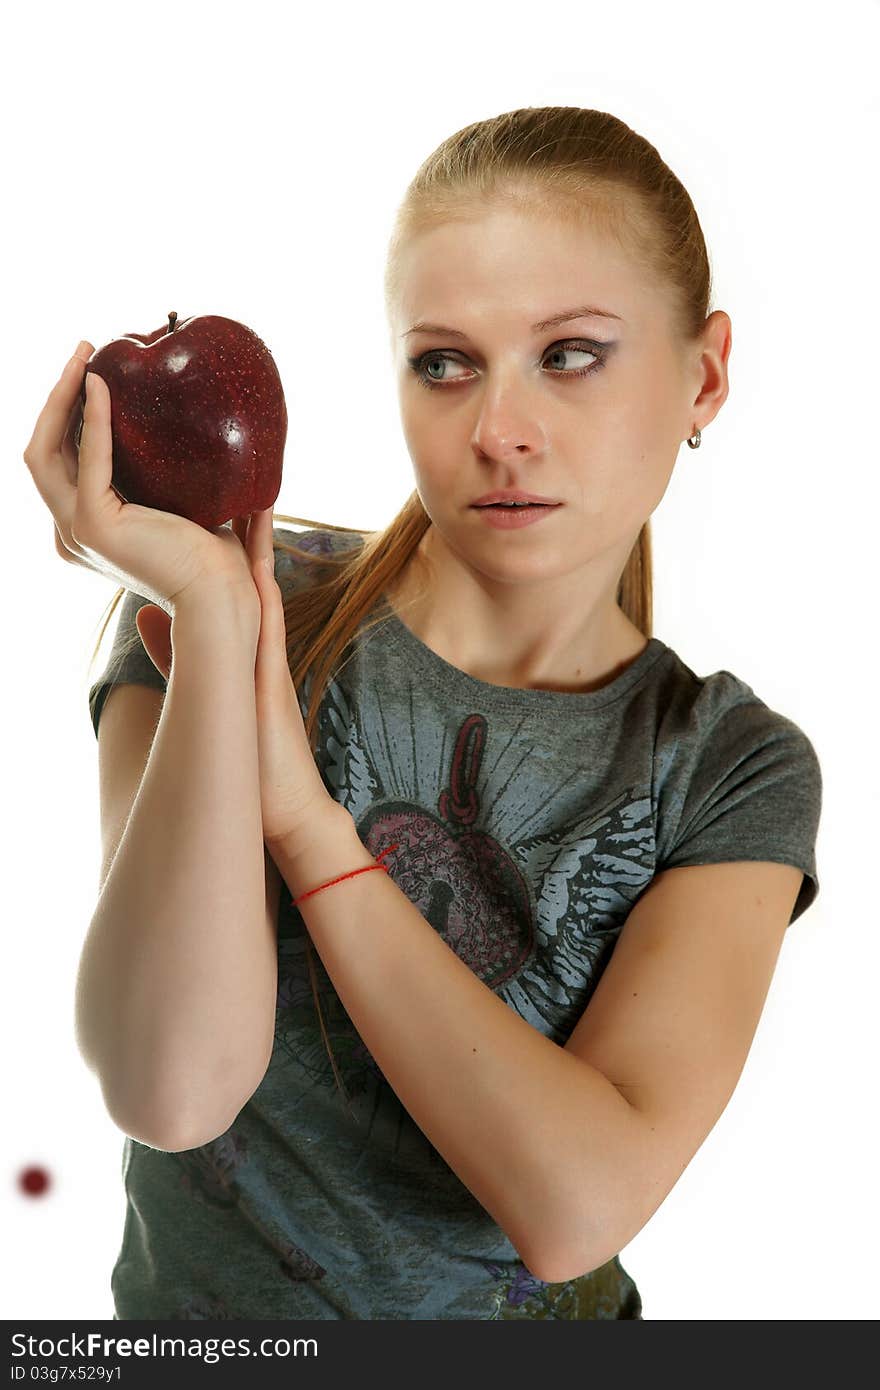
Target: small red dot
column 34, row 1181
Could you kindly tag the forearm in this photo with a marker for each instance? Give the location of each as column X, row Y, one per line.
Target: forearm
column 176, row 989
column 537, row 1135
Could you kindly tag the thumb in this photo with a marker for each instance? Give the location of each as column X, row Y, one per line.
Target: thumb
column 154, row 628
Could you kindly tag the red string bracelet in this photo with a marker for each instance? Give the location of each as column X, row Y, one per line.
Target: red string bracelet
column 367, row 869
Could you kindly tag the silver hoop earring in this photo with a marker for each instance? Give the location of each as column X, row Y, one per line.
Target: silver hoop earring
column 694, row 442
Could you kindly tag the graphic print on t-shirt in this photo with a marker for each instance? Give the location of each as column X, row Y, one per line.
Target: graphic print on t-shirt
column 533, row 913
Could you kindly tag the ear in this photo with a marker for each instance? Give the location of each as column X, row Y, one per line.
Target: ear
column 154, row 628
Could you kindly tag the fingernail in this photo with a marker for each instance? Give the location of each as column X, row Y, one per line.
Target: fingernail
column 82, row 351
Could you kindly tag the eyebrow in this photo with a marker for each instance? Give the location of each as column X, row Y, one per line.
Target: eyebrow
column 581, row 311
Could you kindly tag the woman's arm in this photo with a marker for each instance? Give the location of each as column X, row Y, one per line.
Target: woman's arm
column 176, row 991
column 554, row 1149
column 505, row 1106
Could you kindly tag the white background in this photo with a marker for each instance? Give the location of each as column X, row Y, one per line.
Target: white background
column 248, row 161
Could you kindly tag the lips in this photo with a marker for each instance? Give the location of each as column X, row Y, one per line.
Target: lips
column 514, row 518
column 513, row 495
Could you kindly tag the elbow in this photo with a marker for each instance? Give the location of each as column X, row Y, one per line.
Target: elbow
column 170, row 1124
column 152, row 1132
column 594, row 1205
column 574, row 1261
column 167, row 1128
column 561, row 1267
column 584, row 1236
column 556, row 1262
column 165, row 1137
column 558, row 1266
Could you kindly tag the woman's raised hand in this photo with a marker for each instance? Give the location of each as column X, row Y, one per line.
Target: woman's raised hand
column 155, row 553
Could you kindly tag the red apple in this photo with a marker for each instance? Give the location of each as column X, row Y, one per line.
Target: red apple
column 199, row 419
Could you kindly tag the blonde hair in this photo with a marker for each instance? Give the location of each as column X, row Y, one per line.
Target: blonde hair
column 584, row 167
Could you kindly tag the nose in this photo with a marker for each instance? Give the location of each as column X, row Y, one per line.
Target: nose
column 506, row 426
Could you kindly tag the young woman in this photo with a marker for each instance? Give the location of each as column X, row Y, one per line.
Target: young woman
column 417, row 978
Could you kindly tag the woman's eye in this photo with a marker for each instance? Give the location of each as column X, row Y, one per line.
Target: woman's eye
column 421, row 365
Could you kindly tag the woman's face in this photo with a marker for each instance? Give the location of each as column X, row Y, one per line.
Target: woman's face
column 590, row 413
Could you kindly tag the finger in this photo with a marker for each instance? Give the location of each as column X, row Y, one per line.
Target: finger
column 71, row 441
column 255, row 543
column 95, row 449
column 267, row 535
column 52, row 421
column 272, row 630
column 246, row 534
column 55, row 481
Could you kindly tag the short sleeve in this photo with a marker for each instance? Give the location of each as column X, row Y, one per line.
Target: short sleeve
column 127, row 662
column 754, row 792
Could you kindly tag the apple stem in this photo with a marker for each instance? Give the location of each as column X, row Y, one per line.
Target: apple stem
column 172, row 320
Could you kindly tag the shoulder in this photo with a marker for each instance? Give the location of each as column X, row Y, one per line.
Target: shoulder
column 317, row 540
column 719, row 719
column 734, row 779
column 298, row 554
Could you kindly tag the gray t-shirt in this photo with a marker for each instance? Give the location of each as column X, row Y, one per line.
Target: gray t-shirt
column 529, row 822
